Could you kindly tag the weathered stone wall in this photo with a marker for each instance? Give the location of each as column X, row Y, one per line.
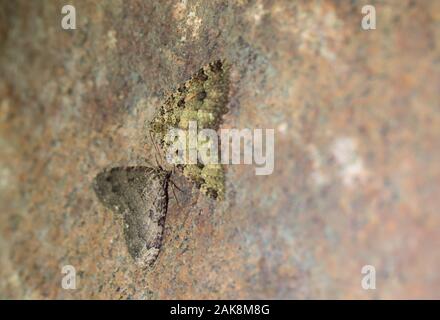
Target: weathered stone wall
column 357, row 157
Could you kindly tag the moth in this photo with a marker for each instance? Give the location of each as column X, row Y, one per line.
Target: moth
column 202, row 98
column 140, row 195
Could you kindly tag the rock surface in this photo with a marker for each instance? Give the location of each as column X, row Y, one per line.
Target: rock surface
column 357, row 157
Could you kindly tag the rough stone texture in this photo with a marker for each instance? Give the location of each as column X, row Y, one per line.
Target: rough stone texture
column 357, row 155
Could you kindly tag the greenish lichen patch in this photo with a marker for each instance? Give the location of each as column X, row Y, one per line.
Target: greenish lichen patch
column 201, row 99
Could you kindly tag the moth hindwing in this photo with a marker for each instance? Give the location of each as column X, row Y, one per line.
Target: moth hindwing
column 140, row 195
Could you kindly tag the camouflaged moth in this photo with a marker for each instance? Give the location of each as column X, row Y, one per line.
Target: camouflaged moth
column 203, row 98
column 140, row 195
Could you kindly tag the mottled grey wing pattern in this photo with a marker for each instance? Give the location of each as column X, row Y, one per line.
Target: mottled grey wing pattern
column 140, row 195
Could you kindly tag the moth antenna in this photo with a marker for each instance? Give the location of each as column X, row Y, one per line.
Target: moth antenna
column 158, row 151
column 154, row 144
column 174, row 194
column 174, row 184
column 157, row 162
